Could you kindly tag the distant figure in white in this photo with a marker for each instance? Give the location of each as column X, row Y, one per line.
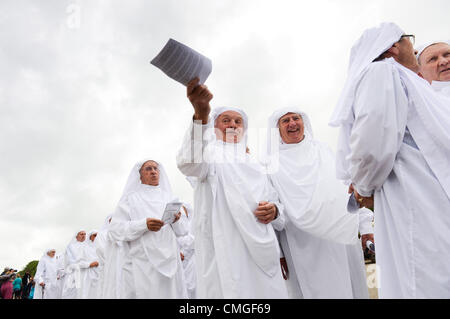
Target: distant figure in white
column 394, row 148
column 76, row 267
column 236, row 249
column 61, row 274
column 320, row 240
column 434, row 65
column 187, row 250
column 91, row 276
column 156, row 267
column 46, row 283
column 104, row 248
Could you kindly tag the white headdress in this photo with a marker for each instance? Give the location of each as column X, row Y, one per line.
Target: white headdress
column 372, row 43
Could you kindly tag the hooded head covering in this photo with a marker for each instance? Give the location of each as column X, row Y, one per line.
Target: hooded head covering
column 219, row 110
column 306, row 183
column 134, row 179
column 422, row 47
column 372, row 43
column 74, row 251
column 88, row 235
column 147, row 201
column 273, row 133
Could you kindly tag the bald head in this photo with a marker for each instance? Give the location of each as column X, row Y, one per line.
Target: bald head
column 434, row 62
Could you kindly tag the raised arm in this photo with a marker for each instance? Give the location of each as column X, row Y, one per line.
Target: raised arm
column 190, row 156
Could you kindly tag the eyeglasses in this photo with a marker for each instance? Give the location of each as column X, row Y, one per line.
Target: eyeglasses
column 411, row 37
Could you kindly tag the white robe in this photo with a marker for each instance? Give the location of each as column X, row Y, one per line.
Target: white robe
column 442, row 87
column 46, row 272
column 379, row 152
column 91, row 275
column 60, row 273
column 187, row 248
column 76, row 265
column 320, row 239
column 156, row 269
column 236, row 256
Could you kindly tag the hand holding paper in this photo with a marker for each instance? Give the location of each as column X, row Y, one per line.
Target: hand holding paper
column 182, row 63
column 172, row 209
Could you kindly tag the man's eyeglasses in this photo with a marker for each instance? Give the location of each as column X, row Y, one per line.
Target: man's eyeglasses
column 411, row 37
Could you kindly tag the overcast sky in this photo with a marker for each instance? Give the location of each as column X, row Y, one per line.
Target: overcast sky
column 80, row 102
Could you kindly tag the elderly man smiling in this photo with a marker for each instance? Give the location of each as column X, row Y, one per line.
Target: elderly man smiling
column 320, row 239
column 237, row 252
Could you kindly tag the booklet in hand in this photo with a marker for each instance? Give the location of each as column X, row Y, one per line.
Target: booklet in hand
column 182, row 63
column 170, row 211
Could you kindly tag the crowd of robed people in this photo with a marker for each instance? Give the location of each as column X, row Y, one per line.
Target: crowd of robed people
column 294, row 224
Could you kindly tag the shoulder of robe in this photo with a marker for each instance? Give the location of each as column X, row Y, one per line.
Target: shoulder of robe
column 380, row 70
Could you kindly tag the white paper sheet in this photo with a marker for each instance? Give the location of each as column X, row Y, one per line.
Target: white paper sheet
column 182, row 63
column 170, row 211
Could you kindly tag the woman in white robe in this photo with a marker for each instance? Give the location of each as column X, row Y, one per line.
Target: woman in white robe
column 46, row 283
column 394, row 144
column 320, row 239
column 156, row 268
column 236, row 255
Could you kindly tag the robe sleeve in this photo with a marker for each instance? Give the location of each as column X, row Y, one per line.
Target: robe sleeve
column 122, row 228
column 180, row 228
column 365, row 221
column 190, row 155
column 380, row 111
column 39, row 276
column 279, row 222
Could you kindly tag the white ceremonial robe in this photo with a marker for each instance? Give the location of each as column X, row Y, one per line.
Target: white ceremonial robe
column 235, row 255
column 90, row 279
column 442, row 87
column 187, row 248
column 156, row 268
column 76, row 266
column 60, row 273
column 379, row 151
column 46, row 272
column 320, row 240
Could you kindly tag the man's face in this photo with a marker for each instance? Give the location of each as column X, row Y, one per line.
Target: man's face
column 150, row 173
column 51, row 253
column 434, row 62
column 291, row 128
column 81, row 236
column 229, row 127
column 406, row 54
column 93, row 236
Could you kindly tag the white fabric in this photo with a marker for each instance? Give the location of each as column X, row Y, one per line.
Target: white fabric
column 313, row 198
column 236, row 256
column 91, row 275
column 103, row 245
column 155, row 259
column 317, row 222
column 442, row 87
column 75, row 267
column 397, row 147
column 370, row 45
column 187, row 248
column 422, row 47
column 60, row 273
column 46, row 272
